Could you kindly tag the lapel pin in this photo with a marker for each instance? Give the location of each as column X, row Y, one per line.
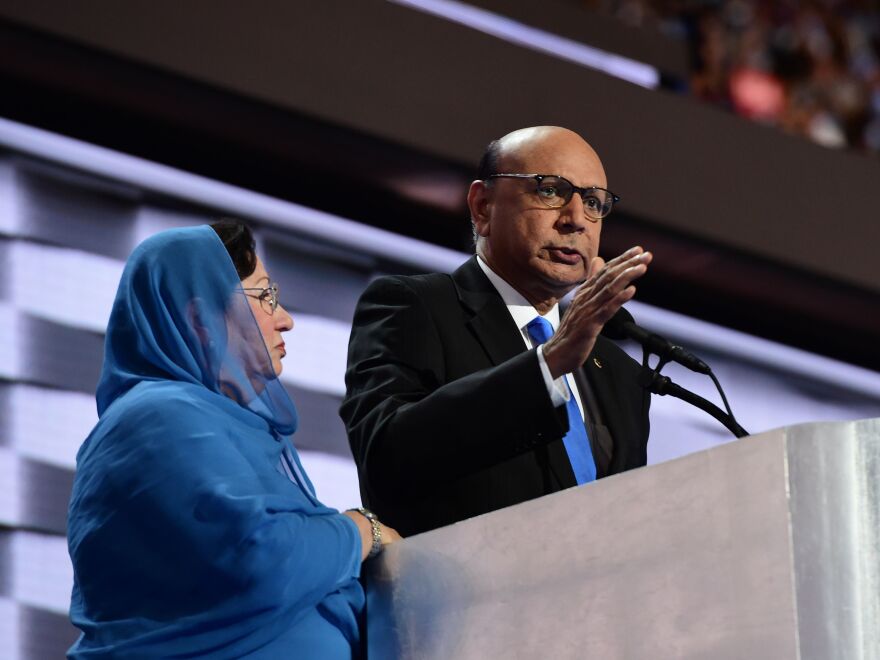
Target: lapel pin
column 597, row 363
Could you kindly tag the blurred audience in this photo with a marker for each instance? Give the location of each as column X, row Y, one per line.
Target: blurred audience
column 811, row 68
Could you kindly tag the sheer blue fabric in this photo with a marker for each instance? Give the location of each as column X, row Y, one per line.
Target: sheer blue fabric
column 189, row 534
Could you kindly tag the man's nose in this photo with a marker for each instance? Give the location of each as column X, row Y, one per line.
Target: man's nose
column 572, row 214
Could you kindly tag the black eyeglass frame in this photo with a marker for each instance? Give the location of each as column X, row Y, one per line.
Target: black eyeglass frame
column 583, row 192
column 272, row 290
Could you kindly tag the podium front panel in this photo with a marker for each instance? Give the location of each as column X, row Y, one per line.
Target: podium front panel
column 764, row 548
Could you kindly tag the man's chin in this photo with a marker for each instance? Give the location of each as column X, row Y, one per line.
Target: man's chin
column 563, row 277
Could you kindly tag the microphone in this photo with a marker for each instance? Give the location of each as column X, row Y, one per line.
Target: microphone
column 623, row 326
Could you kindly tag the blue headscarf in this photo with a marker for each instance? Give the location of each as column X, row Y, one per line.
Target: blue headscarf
column 180, row 315
column 193, row 529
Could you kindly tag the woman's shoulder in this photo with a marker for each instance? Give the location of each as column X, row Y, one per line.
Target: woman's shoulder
column 163, row 403
column 156, row 420
column 151, row 415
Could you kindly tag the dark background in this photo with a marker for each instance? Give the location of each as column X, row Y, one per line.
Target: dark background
column 379, row 112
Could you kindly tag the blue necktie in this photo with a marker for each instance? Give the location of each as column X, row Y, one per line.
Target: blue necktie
column 577, row 444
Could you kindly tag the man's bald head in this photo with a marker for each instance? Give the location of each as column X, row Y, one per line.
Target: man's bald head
column 509, row 152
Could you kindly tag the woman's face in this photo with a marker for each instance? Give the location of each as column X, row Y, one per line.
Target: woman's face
column 271, row 324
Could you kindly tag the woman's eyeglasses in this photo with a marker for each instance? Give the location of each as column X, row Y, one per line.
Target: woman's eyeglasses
column 268, row 297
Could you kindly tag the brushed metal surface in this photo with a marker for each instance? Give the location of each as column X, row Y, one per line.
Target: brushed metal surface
column 834, row 475
column 686, row 559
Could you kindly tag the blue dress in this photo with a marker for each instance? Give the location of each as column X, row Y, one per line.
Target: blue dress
column 193, row 529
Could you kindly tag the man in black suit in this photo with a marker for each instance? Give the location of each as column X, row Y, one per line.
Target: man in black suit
column 460, row 400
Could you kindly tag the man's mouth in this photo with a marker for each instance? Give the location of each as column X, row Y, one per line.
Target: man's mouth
column 565, row 255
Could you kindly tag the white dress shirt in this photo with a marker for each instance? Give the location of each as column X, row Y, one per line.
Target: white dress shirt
column 522, row 312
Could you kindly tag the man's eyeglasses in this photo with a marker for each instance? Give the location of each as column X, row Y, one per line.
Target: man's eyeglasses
column 556, row 191
column 268, row 297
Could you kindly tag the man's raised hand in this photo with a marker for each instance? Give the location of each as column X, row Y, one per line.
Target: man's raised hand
column 609, row 286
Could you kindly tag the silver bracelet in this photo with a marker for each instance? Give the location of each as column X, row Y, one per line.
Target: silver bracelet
column 377, row 531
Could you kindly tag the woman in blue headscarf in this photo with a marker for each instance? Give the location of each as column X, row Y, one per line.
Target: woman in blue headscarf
column 193, row 528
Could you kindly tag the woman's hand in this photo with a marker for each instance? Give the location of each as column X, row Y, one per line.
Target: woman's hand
column 388, row 534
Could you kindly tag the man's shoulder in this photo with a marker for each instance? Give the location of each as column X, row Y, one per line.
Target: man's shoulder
column 420, row 281
column 423, row 285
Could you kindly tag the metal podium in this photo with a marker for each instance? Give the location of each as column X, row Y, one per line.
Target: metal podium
column 764, row 548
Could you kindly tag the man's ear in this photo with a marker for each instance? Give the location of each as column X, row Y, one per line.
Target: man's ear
column 479, row 202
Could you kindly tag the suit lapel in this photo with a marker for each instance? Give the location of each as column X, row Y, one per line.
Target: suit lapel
column 490, row 321
column 495, row 330
column 602, row 380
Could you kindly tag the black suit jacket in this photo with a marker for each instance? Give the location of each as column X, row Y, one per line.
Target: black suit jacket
column 447, row 412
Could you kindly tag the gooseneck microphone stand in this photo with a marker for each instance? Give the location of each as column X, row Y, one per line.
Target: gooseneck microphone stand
column 623, row 326
column 654, row 382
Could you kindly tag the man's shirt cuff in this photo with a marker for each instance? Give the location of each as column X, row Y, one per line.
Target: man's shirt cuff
column 557, row 389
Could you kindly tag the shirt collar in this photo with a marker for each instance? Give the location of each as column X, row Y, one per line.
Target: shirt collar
column 520, row 309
